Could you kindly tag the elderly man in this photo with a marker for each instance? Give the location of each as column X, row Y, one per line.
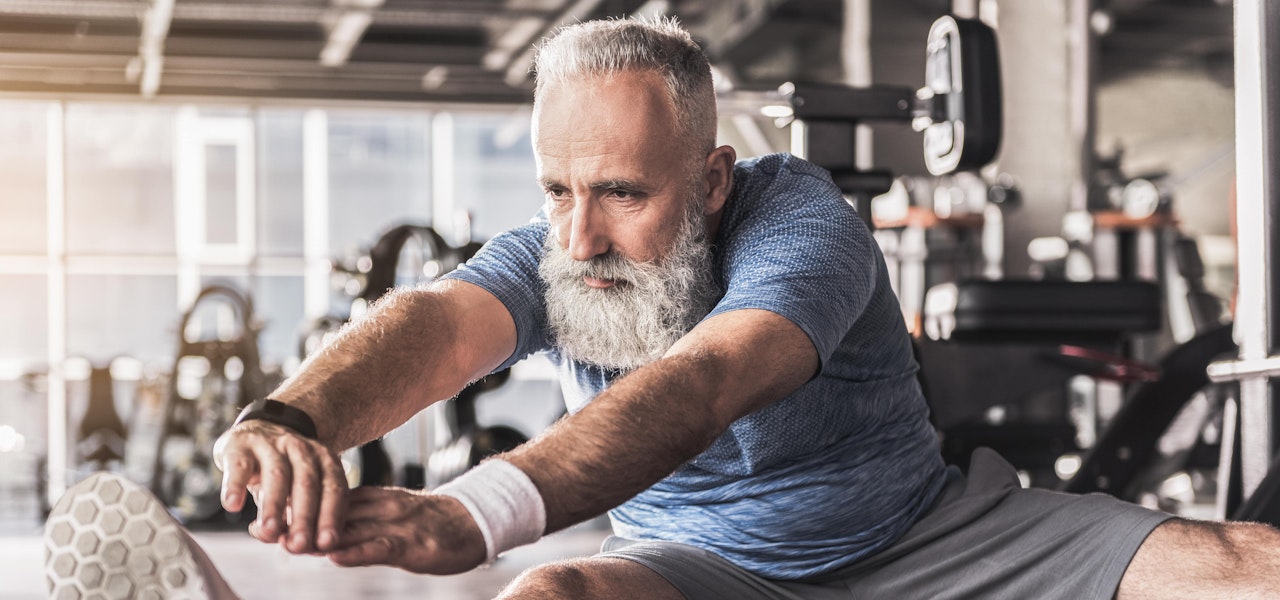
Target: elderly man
column 741, row 389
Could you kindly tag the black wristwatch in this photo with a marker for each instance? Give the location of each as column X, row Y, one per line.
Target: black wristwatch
column 273, row 411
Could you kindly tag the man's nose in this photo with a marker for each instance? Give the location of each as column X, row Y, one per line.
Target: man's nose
column 588, row 233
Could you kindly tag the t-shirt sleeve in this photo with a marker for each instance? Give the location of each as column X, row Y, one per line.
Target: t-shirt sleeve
column 507, row 267
column 799, row 250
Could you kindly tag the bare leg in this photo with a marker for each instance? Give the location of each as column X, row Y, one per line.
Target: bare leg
column 586, row 578
column 1203, row 560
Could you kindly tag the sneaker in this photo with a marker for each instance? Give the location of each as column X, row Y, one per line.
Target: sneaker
column 109, row 538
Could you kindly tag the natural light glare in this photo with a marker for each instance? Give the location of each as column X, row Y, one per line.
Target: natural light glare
column 10, row 439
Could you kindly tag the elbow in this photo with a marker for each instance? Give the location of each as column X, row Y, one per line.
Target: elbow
column 708, row 382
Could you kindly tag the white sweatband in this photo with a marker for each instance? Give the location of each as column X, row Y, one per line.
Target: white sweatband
column 504, row 503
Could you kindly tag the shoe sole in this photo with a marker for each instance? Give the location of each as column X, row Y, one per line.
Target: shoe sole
column 109, row 538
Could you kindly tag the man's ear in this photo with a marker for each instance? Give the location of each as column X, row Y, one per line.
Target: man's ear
column 719, row 173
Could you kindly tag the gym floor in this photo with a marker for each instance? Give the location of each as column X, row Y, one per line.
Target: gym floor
column 258, row 571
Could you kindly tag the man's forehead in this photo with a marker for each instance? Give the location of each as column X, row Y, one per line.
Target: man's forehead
column 593, row 130
column 571, row 136
column 604, row 101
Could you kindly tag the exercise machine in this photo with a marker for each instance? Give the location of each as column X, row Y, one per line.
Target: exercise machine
column 958, row 111
column 408, row 254
column 216, row 373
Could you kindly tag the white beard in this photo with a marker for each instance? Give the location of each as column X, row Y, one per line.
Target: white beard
column 635, row 322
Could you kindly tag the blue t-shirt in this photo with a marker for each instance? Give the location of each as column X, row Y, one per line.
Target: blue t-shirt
column 830, row 474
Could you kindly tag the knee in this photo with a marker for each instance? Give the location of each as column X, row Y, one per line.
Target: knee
column 565, row 579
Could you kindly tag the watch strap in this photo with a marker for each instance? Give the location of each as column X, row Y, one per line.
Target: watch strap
column 274, row 411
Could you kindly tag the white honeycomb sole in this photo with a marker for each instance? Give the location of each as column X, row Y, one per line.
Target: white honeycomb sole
column 110, row 539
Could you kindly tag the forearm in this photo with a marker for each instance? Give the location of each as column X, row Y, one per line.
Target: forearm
column 630, row 437
column 380, row 371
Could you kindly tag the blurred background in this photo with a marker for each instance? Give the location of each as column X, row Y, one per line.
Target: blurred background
column 150, row 149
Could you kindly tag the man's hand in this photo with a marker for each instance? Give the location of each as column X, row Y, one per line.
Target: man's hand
column 298, row 485
column 415, row 531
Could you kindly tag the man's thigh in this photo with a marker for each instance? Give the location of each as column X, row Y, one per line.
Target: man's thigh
column 985, row 538
column 696, row 574
column 988, row 538
column 1203, row 559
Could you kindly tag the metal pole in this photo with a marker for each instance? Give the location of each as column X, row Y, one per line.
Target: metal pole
column 59, row 462
column 855, row 53
column 1256, row 99
column 967, row 9
column 315, row 214
column 1081, row 87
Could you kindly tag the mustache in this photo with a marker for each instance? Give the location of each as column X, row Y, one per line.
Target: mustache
column 609, row 266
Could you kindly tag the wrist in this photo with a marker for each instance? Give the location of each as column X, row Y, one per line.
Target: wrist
column 504, row 503
column 279, row 413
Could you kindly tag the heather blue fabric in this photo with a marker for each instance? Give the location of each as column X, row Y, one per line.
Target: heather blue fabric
column 828, row 475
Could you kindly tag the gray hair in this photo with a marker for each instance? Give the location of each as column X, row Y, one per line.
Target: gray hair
column 660, row 45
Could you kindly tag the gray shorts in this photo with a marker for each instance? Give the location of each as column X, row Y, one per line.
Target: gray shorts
column 985, row 537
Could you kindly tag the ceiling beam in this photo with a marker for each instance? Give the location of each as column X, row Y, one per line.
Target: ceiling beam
column 155, row 28
column 97, row 81
column 441, row 14
column 512, row 40
column 250, row 65
column 727, row 24
column 345, row 24
column 517, row 70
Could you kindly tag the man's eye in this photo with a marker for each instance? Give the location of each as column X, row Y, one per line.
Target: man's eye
column 557, row 194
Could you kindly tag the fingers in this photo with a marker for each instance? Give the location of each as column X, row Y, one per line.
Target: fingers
column 238, row 469
column 318, row 501
column 333, row 503
column 255, row 531
column 304, row 496
column 298, row 485
column 400, row 528
column 277, row 478
column 377, row 551
column 249, row 464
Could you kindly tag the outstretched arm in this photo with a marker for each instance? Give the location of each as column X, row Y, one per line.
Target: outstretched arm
column 416, row 347
column 666, row 413
column 628, row 438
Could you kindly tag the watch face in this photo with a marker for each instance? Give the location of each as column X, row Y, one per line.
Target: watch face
column 1140, row 199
